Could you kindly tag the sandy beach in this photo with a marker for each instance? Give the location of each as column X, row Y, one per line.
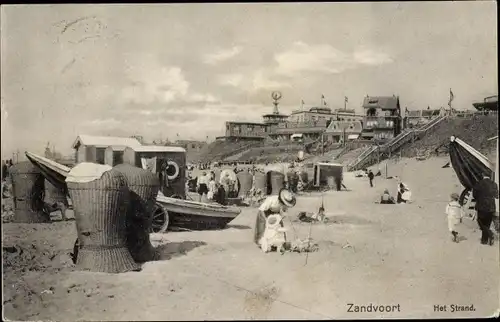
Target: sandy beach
column 396, row 255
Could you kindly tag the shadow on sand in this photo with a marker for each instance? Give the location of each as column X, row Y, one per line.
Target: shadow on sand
column 176, row 249
column 344, row 219
column 237, row 227
column 339, row 219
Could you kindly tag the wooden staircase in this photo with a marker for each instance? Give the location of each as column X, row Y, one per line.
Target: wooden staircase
column 381, row 152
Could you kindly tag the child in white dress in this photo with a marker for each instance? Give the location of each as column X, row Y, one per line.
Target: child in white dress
column 455, row 214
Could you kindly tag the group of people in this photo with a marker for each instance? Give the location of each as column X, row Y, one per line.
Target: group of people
column 211, row 190
column 484, row 192
column 403, row 195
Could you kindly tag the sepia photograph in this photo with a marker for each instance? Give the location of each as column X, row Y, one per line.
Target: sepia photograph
column 250, row 161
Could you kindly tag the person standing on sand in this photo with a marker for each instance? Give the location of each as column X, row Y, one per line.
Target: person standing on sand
column 212, row 189
column 202, row 185
column 455, row 213
column 5, row 170
column 226, row 183
column 485, row 192
column 272, row 205
column 220, row 194
column 371, row 176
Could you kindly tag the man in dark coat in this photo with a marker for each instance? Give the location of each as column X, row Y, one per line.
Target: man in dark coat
column 220, row 195
column 5, row 170
column 371, row 176
column 485, row 192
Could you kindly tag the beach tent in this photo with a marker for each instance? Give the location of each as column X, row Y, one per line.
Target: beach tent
column 53, row 171
column 469, row 164
column 323, row 171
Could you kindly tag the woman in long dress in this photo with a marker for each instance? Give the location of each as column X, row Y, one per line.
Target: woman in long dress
column 404, row 193
column 212, row 189
column 272, row 205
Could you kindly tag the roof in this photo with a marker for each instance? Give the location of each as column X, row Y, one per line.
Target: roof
column 385, row 102
column 117, row 147
column 248, row 123
column 158, row 148
column 105, row 141
column 329, row 164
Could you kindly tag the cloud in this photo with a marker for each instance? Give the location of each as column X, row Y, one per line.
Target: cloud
column 230, row 79
column 370, row 57
column 108, row 123
column 315, row 58
column 262, row 80
column 222, row 55
column 150, row 83
column 324, row 58
column 201, row 98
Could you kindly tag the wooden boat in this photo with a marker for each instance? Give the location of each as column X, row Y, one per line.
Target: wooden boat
column 169, row 212
column 191, row 215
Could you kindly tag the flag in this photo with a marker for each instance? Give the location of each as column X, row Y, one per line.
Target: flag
column 322, row 96
column 303, row 102
column 451, row 98
column 324, row 102
column 346, row 99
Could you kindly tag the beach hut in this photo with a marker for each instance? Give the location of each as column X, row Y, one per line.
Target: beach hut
column 27, row 190
column 89, row 148
column 260, row 182
column 100, row 199
column 245, row 179
column 326, row 174
column 143, row 187
column 168, row 162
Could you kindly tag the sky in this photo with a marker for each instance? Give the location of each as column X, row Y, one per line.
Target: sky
column 182, row 70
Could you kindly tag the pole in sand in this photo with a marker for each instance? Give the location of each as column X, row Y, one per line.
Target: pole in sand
column 310, row 229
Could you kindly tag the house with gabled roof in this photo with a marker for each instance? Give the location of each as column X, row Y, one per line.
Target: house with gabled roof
column 90, row 148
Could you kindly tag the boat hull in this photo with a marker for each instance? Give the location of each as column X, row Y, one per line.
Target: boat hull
column 197, row 222
column 196, row 215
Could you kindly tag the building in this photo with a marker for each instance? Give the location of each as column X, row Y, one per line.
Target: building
column 489, row 103
column 417, row 118
column 247, row 131
column 191, row 145
column 312, row 123
column 382, row 120
column 341, row 131
column 315, row 114
column 90, row 148
column 309, row 130
column 168, row 162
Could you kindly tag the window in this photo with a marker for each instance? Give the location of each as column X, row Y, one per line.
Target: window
column 193, row 146
column 99, row 157
column 117, row 157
